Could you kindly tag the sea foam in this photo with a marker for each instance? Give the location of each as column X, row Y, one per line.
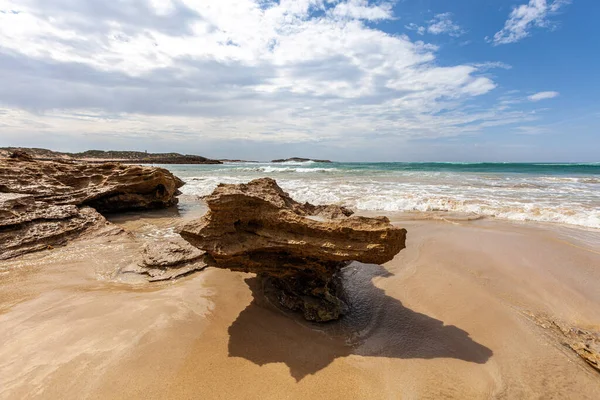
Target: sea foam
column 559, row 198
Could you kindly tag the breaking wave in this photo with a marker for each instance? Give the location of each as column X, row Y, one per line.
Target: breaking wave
column 558, row 198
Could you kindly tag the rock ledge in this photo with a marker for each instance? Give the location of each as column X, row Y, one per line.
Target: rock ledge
column 297, row 249
column 47, row 203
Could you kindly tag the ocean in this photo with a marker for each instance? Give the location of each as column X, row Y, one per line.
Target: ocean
column 555, row 193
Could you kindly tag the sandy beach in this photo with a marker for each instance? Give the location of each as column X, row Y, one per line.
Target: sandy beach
column 299, row 199
column 458, row 314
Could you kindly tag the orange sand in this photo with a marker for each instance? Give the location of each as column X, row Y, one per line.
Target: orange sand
column 447, row 318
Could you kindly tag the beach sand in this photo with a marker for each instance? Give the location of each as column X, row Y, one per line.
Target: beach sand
column 452, row 316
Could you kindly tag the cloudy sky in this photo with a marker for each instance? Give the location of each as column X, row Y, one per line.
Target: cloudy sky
column 404, row 80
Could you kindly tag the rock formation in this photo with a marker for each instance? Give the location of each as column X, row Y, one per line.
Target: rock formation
column 297, row 249
column 46, row 203
column 108, row 187
column 167, row 259
column 583, row 342
column 27, row 225
column 299, row 159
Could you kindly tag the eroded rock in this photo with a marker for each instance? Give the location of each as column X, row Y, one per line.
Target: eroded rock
column 169, row 253
column 167, row 259
column 47, row 203
column 108, row 187
column 297, row 249
column 27, row 225
column 583, row 342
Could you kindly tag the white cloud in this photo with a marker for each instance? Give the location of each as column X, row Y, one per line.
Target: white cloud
column 290, row 71
column 492, row 65
column 531, row 130
column 439, row 25
column 360, row 9
column 443, row 24
column 421, row 30
column 525, row 17
column 543, row 96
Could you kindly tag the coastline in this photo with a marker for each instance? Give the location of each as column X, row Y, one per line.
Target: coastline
column 450, row 316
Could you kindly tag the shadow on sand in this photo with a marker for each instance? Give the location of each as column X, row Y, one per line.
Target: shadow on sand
column 377, row 326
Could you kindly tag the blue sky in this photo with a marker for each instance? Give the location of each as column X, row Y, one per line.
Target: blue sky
column 350, row 80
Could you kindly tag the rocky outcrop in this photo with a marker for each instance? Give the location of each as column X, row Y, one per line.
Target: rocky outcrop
column 585, row 343
column 297, row 249
column 47, row 203
column 299, row 159
column 27, row 225
column 108, row 187
column 167, row 259
column 20, row 155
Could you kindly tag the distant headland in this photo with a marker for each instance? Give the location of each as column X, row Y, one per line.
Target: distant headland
column 128, row 157
column 133, row 157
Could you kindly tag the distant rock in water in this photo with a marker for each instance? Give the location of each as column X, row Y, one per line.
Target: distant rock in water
column 297, row 249
column 299, row 159
column 232, row 161
column 47, row 203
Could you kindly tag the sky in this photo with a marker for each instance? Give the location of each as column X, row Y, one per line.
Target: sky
column 348, row 80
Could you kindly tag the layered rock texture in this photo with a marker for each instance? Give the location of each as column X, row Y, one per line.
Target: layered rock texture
column 46, row 203
column 27, row 225
column 585, row 343
column 167, row 259
column 297, row 249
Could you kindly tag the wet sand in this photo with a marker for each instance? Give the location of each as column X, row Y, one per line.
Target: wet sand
column 450, row 317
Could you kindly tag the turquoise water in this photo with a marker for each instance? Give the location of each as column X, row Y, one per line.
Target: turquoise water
column 545, row 192
column 517, row 168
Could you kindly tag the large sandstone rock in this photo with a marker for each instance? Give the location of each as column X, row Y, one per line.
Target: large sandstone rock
column 298, row 249
column 27, row 225
column 106, row 187
column 47, row 203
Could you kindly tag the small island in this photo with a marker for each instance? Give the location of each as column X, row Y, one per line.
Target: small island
column 299, row 159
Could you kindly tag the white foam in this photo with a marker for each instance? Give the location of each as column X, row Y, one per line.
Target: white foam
column 563, row 200
column 267, row 169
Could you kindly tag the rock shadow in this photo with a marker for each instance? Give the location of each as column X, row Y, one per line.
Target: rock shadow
column 134, row 215
column 376, row 326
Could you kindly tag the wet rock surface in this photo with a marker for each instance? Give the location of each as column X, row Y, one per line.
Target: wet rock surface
column 27, row 225
column 169, row 253
column 167, row 259
column 296, row 249
column 585, row 343
column 48, row 203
